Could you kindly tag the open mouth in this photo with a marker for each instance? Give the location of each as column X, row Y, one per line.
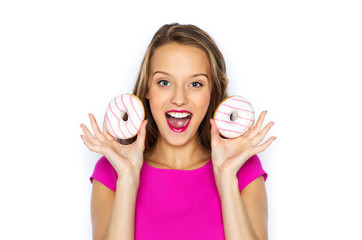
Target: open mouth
column 178, row 121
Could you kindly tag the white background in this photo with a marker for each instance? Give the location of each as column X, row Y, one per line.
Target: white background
column 300, row 60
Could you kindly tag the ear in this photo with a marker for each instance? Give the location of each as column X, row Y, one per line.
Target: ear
column 147, row 96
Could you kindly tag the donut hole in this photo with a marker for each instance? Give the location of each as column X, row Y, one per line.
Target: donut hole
column 124, row 116
column 233, row 116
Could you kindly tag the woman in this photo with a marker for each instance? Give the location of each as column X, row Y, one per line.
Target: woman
column 179, row 179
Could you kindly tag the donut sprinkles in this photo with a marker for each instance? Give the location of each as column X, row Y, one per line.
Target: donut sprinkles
column 234, row 116
column 124, row 116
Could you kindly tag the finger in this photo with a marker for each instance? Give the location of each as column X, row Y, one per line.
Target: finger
column 266, row 129
column 264, row 146
column 97, row 132
column 214, row 132
column 86, row 142
column 142, row 134
column 260, row 136
column 87, row 133
column 250, row 129
column 108, row 136
column 260, row 121
column 255, row 128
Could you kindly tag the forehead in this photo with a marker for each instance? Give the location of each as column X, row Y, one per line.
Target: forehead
column 177, row 58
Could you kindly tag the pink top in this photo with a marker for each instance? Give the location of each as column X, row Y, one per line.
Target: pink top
column 178, row 204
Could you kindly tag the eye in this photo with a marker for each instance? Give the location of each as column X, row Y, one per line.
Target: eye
column 164, row 83
column 196, row 84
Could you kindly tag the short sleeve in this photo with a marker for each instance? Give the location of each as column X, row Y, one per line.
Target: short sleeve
column 105, row 173
column 251, row 170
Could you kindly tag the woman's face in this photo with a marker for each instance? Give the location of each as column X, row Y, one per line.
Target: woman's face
column 179, row 91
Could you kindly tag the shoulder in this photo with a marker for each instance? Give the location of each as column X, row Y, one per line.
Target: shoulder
column 105, row 173
column 251, row 170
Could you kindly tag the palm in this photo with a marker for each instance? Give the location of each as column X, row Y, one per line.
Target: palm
column 228, row 155
column 124, row 158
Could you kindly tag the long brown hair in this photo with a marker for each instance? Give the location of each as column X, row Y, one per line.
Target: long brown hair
column 186, row 35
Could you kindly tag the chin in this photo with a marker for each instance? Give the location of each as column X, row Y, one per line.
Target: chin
column 177, row 141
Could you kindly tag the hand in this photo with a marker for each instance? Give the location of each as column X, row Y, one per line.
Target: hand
column 228, row 155
column 124, row 158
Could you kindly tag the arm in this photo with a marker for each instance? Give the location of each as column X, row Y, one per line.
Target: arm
column 113, row 212
column 245, row 214
column 101, row 207
column 121, row 224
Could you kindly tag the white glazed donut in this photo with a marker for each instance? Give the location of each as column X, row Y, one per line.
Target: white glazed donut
column 234, row 116
column 129, row 105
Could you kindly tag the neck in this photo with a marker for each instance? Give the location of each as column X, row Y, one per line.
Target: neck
column 188, row 156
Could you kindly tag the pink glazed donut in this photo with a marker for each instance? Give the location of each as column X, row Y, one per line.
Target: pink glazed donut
column 234, row 116
column 124, row 116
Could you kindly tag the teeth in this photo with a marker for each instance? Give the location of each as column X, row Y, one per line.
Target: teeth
column 178, row 114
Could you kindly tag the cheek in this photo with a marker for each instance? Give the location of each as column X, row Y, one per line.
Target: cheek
column 203, row 101
column 206, row 104
column 151, row 96
column 153, row 104
column 156, row 101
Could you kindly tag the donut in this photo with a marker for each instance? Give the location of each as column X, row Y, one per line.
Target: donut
column 234, row 116
column 124, row 116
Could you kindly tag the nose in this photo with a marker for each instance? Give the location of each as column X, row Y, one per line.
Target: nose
column 179, row 97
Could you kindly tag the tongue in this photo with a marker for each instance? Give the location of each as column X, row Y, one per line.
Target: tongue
column 177, row 122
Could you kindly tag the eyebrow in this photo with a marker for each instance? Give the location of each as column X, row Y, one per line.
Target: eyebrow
column 168, row 74
column 165, row 73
